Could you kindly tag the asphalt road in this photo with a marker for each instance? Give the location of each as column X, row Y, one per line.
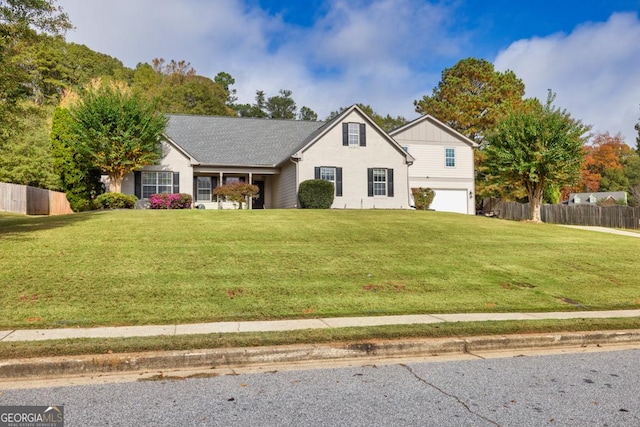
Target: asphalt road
column 588, row 389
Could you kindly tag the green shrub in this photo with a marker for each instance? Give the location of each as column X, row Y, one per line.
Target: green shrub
column 316, row 194
column 422, row 198
column 115, row 201
column 170, row 201
column 79, row 203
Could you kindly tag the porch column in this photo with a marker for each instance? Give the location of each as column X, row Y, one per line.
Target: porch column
column 250, row 198
column 220, row 183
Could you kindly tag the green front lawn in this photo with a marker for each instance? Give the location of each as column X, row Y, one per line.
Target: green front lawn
column 156, row 267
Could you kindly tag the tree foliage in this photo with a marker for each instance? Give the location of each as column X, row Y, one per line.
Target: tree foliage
column 26, row 158
column 281, row 106
column 19, row 20
column 238, row 192
column 602, row 168
column 258, row 109
column 79, row 178
column 472, row 97
column 534, row 148
column 225, row 81
column 40, row 14
column 117, row 130
column 176, row 88
column 307, row 114
column 387, row 122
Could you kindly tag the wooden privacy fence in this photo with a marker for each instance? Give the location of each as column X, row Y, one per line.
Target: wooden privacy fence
column 603, row 216
column 27, row 200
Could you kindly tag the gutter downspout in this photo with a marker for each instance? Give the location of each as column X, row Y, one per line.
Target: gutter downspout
column 295, row 161
column 409, row 194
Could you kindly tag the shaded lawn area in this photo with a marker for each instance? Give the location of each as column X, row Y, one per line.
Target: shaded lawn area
column 157, row 267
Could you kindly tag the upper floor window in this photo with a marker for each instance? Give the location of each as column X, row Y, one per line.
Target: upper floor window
column 450, row 157
column 354, row 135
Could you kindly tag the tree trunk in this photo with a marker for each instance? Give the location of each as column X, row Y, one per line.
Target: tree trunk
column 115, row 183
column 535, row 201
column 535, row 210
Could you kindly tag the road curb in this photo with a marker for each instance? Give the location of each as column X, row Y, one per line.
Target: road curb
column 242, row 357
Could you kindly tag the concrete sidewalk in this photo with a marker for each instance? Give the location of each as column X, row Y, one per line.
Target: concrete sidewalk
column 210, row 361
column 291, row 325
column 604, row 230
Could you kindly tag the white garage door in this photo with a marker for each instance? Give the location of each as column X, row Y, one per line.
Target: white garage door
column 450, row 201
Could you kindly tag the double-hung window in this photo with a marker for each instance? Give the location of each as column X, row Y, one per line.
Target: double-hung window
column 380, row 182
column 331, row 174
column 450, row 157
column 204, row 188
column 156, row 183
column 354, row 134
column 328, row 174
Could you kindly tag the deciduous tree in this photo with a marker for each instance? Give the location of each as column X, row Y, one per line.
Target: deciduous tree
column 79, row 178
column 19, row 20
column 602, row 168
column 533, row 148
column 117, row 130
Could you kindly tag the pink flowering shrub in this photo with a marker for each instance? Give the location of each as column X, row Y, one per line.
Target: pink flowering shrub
column 170, row 201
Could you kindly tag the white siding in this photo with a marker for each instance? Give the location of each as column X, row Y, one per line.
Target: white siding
column 173, row 161
column 426, row 141
column 285, row 191
column 379, row 152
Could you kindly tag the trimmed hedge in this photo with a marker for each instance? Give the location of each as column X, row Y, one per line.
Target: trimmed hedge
column 115, row 201
column 316, row 194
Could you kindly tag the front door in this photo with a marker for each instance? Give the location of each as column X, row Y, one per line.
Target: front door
column 259, row 202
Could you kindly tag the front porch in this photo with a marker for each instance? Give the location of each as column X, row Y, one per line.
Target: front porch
column 205, row 181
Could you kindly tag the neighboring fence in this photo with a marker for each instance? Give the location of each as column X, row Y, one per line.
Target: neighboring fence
column 27, row 200
column 603, row 216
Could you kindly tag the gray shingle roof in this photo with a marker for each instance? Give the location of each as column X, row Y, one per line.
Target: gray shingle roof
column 216, row 140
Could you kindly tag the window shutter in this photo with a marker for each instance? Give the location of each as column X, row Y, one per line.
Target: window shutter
column 370, row 182
column 363, row 135
column 338, row 182
column 214, row 182
column 176, row 182
column 390, row 182
column 345, row 134
column 195, row 188
column 137, row 184
column 317, row 173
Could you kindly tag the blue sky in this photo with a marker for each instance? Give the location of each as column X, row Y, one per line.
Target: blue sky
column 386, row 53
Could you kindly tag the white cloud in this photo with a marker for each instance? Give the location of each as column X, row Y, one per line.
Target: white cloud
column 376, row 52
column 594, row 70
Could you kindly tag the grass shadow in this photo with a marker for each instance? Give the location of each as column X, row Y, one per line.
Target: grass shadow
column 14, row 225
